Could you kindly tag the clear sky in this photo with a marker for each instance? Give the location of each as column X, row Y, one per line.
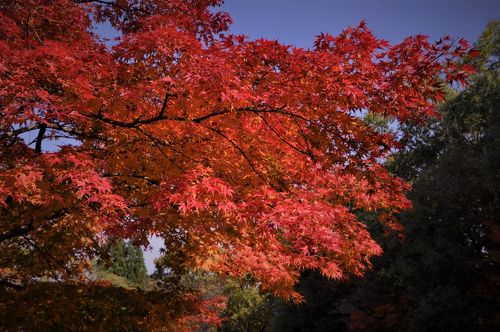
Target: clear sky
column 297, row 22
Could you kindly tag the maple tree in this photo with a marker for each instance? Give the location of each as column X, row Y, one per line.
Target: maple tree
column 248, row 156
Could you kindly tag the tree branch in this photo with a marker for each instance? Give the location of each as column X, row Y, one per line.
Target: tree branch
column 103, row 2
column 26, row 229
column 39, row 138
column 307, row 153
column 243, row 153
column 46, row 254
column 18, row 231
column 19, row 131
column 151, row 181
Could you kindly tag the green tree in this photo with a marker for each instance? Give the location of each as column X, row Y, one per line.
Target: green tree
column 247, row 310
column 118, row 258
column 136, row 268
column 127, row 261
column 449, row 261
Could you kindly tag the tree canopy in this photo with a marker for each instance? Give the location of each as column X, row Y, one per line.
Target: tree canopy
column 246, row 156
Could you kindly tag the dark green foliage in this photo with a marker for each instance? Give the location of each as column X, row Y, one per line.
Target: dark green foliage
column 448, row 262
column 136, row 266
column 321, row 310
column 247, row 309
column 127, row 261
column 118, row 258
column 489, row 46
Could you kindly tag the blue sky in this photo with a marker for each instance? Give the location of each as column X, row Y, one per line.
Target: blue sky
column 297, row 22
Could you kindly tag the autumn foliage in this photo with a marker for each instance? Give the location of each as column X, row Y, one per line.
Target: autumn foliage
column 248, row 156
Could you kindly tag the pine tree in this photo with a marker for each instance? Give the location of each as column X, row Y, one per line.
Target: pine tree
column 128, row 261
column 118, row 258
column 136, row 269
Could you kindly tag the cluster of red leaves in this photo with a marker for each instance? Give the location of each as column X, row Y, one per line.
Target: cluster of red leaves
column 208, row 314
column 249, row 156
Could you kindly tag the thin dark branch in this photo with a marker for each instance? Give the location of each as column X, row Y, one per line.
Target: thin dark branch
column 242, row 152
column 255, row 110
column 103, row 2
column 46, row 254
column 161, row 115
column 157, row 143
column 158, row 117
column 136, row 176
column 208, row 116
column 19, row 131
column 135, row 123
column 164, row 105
column 18, row 231
column 283, row 139
column 27, row 228
column 304, row 136
column 280, row 110
column 55, row 126
column 139, row 121
column 71, row 131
